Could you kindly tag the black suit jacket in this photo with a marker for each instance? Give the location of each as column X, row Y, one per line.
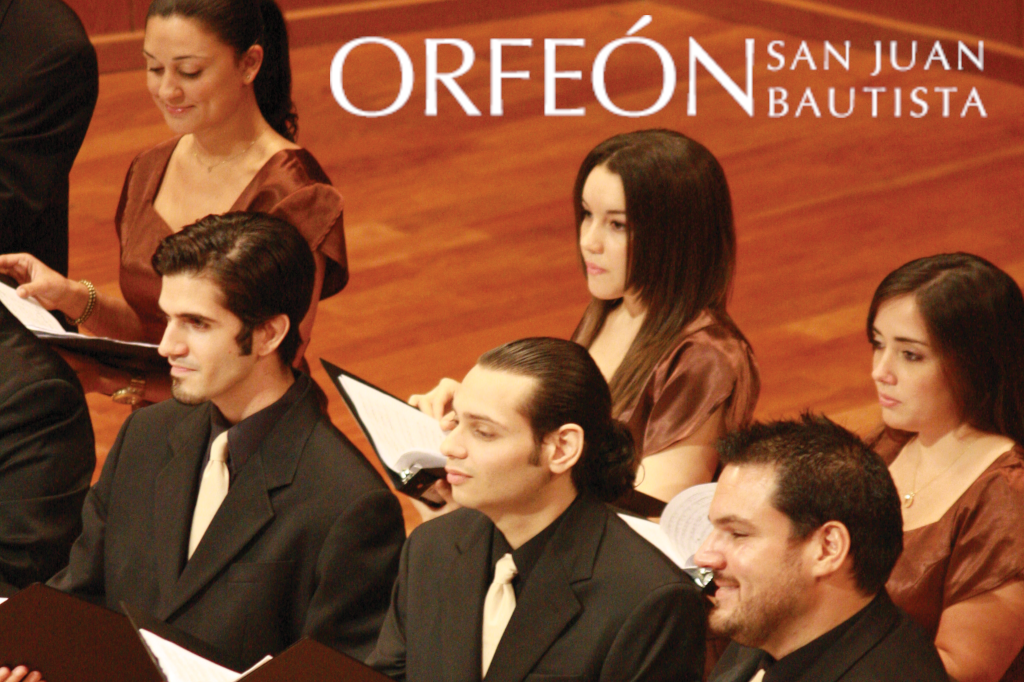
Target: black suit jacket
column 884, row 645
column 306, row 542
column 48, row 88
column 600, row 604
column 47, row 456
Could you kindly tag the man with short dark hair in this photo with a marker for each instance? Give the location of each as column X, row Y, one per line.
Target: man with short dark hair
column 807, row 528
column 237, row 512
column 536, row 577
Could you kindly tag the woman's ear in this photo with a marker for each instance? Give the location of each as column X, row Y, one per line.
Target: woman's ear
column 251, row 62
column 565, row 445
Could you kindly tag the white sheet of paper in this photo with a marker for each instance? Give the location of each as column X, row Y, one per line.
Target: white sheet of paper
column 41, row 321
column 28, row 310
column 181, row 665
column 396, row 427
column 654, row 534
column 685, row 520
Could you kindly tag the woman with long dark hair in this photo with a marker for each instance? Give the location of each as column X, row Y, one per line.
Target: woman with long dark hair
column 948, row 338
column 658, row 247
column 219, row 72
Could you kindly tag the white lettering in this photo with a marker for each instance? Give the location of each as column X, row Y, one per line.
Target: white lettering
column 338, row 66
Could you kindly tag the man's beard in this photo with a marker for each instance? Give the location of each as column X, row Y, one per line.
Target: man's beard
column 183, row 396
column 753, row 622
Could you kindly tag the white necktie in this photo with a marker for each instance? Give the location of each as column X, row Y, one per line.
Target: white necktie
column 213, row 488
column 758, row 676
column 498, row 607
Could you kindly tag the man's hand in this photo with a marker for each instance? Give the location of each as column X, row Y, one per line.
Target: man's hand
column 438, row 401
column 20, row 673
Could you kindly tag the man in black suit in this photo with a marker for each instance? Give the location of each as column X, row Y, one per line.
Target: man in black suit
column 532, row 453
column 304, row 538
column 48, row 88
column 47, row 456
column 807, row 528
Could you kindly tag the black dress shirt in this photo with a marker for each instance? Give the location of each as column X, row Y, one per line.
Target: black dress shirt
column 245, row 437
column 796, row 663
column 525, row 558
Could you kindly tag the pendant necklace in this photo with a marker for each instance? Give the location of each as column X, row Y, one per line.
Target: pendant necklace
column 209, row 169
column 908, row 498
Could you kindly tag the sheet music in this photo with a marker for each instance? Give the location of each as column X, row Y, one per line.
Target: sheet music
column 654, row 534
column 685, row 520
column 41, row 321
column 28, row 310
column 395, row 427
column 181, row 665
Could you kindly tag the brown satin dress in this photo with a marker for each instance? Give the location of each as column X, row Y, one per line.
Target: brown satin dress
column 710, row 367
column 290, row 185
column 977, row 546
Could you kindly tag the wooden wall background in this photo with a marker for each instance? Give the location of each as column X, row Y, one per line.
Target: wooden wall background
column 460, row 232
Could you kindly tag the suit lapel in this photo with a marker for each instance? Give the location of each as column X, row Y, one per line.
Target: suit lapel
column 247, row 508
column 172, row 506
column 878, row 619
column 465, row 585
column 244, row 513
column 548, row 603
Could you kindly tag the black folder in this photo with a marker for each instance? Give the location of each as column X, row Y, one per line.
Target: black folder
column 411, row 484
column 126, row 355
column 70, row 640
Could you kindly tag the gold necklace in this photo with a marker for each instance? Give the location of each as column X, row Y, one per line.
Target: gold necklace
column 209, row 169
column 908, row 498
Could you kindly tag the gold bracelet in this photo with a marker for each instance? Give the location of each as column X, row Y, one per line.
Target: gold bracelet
column 89, row 307
column 132, row 394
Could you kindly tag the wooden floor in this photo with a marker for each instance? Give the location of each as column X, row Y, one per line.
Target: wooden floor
column 460, row 232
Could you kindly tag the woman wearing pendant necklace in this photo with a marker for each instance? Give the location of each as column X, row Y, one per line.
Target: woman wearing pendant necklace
column 948, row 339
column 219, row 72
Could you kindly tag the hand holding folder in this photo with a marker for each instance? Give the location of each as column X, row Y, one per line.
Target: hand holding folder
column 127, row 355
column 406, row 441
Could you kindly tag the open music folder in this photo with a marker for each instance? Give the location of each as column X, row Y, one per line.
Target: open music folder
column 407, row 441
column 71, row 640
column 128, row 355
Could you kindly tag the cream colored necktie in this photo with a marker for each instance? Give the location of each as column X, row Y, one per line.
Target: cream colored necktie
column 758, row 676
column 498, row 607
column 213, row 488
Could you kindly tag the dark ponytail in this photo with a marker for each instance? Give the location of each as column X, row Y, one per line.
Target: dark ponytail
column 609, row 470
column 242, row 24
column 571, row 390
column 273, row 84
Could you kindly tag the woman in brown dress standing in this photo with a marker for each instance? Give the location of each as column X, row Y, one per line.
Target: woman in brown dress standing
column 219, row 72
column 657, row 244
column 948, row 338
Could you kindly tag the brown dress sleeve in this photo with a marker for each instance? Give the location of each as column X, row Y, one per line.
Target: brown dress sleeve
column 974, row 548
column 710, row 368
column 293, row 187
